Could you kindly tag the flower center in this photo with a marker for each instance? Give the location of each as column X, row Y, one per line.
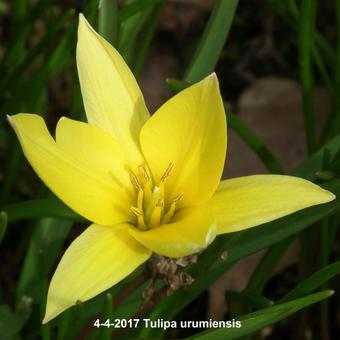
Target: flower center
column 150, row 210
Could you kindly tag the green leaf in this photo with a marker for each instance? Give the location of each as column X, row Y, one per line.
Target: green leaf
column 312, row 165
column 46, row 243
column 248, row 299
column 147, row 36
column 313, row 282
column 266, row 266
column 253, row 322
column 3, row 224
column 305, row 48
column 136, row 7
column 105, row 332
column 255, row 143
column 108, row 20
column 11, row 323
column 128, row 33
column 47, row 207
column 213, row 39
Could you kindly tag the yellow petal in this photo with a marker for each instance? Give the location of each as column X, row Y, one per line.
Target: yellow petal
column 245, row 202
column 192, row 230
column 85, row 168
column 189, row 131
column 112, row 98
column 97, row 259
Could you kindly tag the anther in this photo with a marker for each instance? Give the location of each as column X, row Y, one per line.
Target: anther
column 167, row 172
column 167, row 216
column 178, row 197
column 137, row 211
column 135, row 182
column 143, row 173
column 140, row 217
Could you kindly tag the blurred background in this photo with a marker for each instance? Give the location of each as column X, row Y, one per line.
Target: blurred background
column 278, row 63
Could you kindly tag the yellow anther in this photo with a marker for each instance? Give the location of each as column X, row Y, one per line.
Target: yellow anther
column 161, row 190
column 140, row 217
column 137, row 211
column 178, row 197
column 134, row 181
column 167, row 172
column 167, row 216
column 143, row 173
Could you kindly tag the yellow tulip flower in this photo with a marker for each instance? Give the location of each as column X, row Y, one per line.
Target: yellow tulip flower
column 148, row 184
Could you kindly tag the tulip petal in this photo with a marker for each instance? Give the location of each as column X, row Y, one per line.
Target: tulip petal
column 85, row 168
column 188, row 131
column 112, row 98
column 192, row 230
column 245, row 202
column 95, row 261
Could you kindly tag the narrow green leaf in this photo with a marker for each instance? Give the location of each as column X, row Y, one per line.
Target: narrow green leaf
column 105, row 332
column 266, row 266
column 253, row 322
column 312, row 165
column 332, row 124
column 146, row 37
column 248, row 299
column 136, row 7
column 48, row 238
column 20, row 34
column 3, row 225
column 313, row 282
column 44, row 43
column 213, row 40
column 128, row 33
column 305, row 47
column 11, row 323
column 108, row 20
column 48, row 207
column 255, row 143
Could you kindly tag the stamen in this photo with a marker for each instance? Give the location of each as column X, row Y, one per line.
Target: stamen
column 155, row 219
column 143, row 173
column 140, row 217
column 135, row 182
column 140, row 197
column 151, row 203
column 167, row 216
column 147, row 191
column 167, row 172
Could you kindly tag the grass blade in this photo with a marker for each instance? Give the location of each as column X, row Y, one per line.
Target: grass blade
column 108, row 20
column 3, row 225
column 213, row 40
column 305, row 48
column 253, row 322
column 313, row 282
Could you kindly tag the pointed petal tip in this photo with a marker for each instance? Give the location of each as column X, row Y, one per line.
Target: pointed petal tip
column 83, row 23
column 10, row 121
column 332, row 197
column 48, row 317
column 82, row 19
